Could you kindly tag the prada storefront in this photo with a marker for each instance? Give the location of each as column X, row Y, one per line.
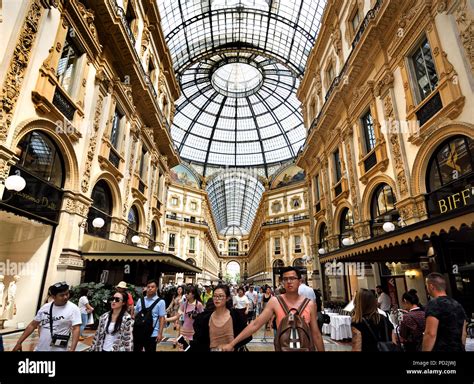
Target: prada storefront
column 402, row 255
column 27, row 225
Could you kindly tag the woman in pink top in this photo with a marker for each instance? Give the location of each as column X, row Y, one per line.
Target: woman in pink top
column 189, row 309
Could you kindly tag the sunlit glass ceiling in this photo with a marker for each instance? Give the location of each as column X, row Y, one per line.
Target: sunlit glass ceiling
column 238, row 63
column 234, row 198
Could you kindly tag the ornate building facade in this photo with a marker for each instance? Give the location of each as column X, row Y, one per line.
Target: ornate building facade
column 388, row 99
column 86, row 103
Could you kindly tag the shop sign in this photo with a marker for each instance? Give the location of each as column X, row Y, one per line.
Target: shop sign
column 38, row 198
column 456, row 195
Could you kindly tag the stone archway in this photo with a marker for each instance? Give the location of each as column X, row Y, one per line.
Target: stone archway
column 233, row 272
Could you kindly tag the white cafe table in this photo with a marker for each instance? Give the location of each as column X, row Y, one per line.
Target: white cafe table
column 339, row 328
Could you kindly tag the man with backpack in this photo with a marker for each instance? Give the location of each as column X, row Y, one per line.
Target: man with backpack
column 150, row 312
column 296, row 318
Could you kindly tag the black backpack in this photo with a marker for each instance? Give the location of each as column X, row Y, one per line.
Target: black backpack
column 143, row 326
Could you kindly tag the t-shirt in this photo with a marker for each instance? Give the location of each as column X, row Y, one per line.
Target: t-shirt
column 82, row 305
column 109, row 338
column 241, row 302
column 304, row 290
column 159, row 310
column 384, row 301
column 252, row 296
column 64, row 318
column 451, row 317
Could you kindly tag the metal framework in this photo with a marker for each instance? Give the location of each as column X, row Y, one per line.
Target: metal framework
column 234, row 200
column 239, row 63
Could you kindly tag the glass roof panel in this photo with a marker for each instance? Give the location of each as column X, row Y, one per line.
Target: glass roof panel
column 239, row 63
column 234, row 198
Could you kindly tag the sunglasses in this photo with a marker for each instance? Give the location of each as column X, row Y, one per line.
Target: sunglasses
column 59, row 285
column 115, row 299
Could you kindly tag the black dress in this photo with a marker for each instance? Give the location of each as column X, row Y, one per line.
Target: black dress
column 369, row 344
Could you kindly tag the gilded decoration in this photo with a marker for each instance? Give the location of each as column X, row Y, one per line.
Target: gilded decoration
column 396, row 148
column 465, row 22
column 92, row 146
column 17, row 68
column 352, row 181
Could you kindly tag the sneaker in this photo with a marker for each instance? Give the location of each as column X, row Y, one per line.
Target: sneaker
column 81, row 338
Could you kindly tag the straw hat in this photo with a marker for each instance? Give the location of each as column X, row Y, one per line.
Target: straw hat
column 122, row 284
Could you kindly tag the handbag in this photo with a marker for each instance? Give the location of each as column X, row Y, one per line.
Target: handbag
column 90, row 319
column 383, row 346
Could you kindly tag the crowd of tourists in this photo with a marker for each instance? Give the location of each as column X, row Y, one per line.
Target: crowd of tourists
column 224, row 318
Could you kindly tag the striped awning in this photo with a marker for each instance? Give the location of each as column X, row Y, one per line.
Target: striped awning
column 98, row 249
column 402, row 236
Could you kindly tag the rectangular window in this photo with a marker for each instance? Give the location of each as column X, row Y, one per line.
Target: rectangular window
column 355, row 21
column 337, row 166
column 174, row 201
column 277, row 245
column 423, row 70
column 67, row 65
column 114, row 134
column 330, row 73
column 297, row 243
column 369, row 134
column 316, row 188
column 171, row 242
column 142, row 164
column 193, row 206
column 192, row 243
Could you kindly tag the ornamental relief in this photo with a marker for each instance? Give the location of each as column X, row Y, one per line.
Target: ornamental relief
column 465, row 22
column 92, row 147
column 16, row 71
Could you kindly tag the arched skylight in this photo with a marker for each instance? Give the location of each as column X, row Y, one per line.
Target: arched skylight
column 234, row 200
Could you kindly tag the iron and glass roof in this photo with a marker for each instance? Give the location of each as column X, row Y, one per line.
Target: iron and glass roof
column 234, row 198
column 238, row 62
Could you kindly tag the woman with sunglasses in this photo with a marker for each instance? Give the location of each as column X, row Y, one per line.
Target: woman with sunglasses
column 218, row 326
column 115, row 327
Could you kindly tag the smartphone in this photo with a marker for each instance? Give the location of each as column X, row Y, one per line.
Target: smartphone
column 183, row 342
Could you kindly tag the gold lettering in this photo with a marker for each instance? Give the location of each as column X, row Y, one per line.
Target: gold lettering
column 464, row 197
column 449, row 202
column 442, row 204
column 455, row 200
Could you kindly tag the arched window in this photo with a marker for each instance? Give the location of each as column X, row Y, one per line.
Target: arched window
column 323, row 237
column 278, row 263
column 191, row 261
column 299, row 263
column 383, row 209
column 346, row 225
column 101, row 207
column 233, row 247
column 452, row 160
column 133, row 224
column 40, row 156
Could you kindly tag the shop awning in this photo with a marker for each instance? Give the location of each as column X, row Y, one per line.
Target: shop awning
column 98, row 249
column 398, row 244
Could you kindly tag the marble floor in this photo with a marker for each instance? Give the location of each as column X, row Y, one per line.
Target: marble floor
column 262, row 341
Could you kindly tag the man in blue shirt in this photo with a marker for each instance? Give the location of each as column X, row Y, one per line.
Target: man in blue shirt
column 158, row 312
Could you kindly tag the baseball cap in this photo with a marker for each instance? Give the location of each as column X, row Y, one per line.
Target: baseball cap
column 122, row 284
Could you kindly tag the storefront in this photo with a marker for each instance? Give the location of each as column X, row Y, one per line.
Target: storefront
column 110, row 262
column 28, row 220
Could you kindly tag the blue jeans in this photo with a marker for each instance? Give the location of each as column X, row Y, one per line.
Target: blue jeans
column 84, row 317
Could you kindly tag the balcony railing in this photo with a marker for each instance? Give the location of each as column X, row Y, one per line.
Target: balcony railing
column 429, row 109
column 121, row 13
column 368, row 18
column 114, row 158
column 187, row 220
column 289, row 220
column 61, row 102
column 370, row 161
